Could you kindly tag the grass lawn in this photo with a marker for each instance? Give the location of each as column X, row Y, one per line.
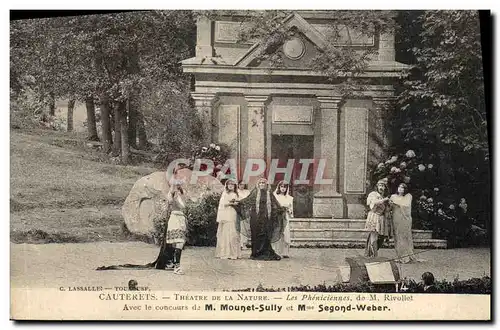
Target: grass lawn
column 62, row 190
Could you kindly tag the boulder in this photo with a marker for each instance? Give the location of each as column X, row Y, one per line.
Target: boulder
column 147, row 198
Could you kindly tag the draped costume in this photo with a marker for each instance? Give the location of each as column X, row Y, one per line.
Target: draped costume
column 262, row 219
column 228, row 237
column 175, row 232
column 283, row 245
column 402, row 221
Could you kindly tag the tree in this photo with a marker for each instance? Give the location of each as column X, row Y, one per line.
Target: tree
column 107, row 57
column 443, row 102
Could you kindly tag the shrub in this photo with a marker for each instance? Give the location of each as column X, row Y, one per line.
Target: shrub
column 470, row 286
column 202, row 221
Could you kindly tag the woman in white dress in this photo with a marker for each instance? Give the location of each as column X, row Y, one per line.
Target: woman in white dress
column 402, row 224
column 228, row 237
column 282, row 194
column 242, row 193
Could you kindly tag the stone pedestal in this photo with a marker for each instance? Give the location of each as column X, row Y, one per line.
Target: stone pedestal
column 328, row 202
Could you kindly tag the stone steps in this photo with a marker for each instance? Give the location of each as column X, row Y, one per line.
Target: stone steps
column 360, row 243
column 346, row 233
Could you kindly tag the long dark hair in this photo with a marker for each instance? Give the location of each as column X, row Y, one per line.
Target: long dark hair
column 405, row 186
column 235, row 190
column 281, row 184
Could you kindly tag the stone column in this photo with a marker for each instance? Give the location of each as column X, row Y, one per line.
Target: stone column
column 385, row 114
column 204, row 103
column 204, row 38
column 256, row 105
column 328, row 201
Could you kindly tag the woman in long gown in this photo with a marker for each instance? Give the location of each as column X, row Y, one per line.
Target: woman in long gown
column 262, row 214
column 228, row 237
column 377, row 221
column 243, row 192
column 282, row 194
column 402, row 222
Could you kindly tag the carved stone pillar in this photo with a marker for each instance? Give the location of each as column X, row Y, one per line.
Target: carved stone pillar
column 385, row 115
column 256, row 105
column 204, row 103
column 328, row 202
column 204, row 37
column 386, row 48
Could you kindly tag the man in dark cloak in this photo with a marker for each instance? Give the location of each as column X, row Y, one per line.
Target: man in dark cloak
column 262, row 220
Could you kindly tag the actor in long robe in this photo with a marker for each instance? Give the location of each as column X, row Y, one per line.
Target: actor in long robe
column 228, row 236
column 402, row 224
column 262, row 214
column 243, row 192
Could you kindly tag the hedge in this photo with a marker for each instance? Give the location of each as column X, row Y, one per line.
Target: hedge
column 470, row 286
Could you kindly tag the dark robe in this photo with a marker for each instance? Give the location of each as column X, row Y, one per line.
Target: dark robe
column 165, row 257
column 264, row 226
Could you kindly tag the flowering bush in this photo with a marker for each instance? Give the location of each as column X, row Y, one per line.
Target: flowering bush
column 217, row 153
column 434, row 207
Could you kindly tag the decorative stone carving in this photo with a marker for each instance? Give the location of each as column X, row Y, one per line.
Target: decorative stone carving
column 294, row 48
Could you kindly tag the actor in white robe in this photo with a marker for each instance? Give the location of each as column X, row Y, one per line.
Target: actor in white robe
column 228, row 237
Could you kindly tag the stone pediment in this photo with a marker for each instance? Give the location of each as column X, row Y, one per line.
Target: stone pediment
column 294, row 48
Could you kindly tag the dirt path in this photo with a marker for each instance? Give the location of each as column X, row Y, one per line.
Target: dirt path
column 56, row 265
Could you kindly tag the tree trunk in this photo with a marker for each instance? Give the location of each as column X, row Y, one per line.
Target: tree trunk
column 117, row 140
column 132, row 122
column 52, row 104
column 106, row 124
column 69, row 121
column 124, row 132
column 91, row 122
column 141, row 132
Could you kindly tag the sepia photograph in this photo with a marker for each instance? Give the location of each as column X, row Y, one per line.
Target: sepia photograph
column 250, row 165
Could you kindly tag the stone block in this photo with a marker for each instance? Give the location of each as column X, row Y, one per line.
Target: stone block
column 356, row 211
column 328, row 207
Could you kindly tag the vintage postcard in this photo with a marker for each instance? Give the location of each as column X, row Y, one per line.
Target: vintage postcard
column 250, row 165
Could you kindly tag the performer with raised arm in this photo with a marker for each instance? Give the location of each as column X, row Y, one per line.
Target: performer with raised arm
column 282, row 194
column 177, row 224
column 262, row 219
column 377, row 221
column 169, row 257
